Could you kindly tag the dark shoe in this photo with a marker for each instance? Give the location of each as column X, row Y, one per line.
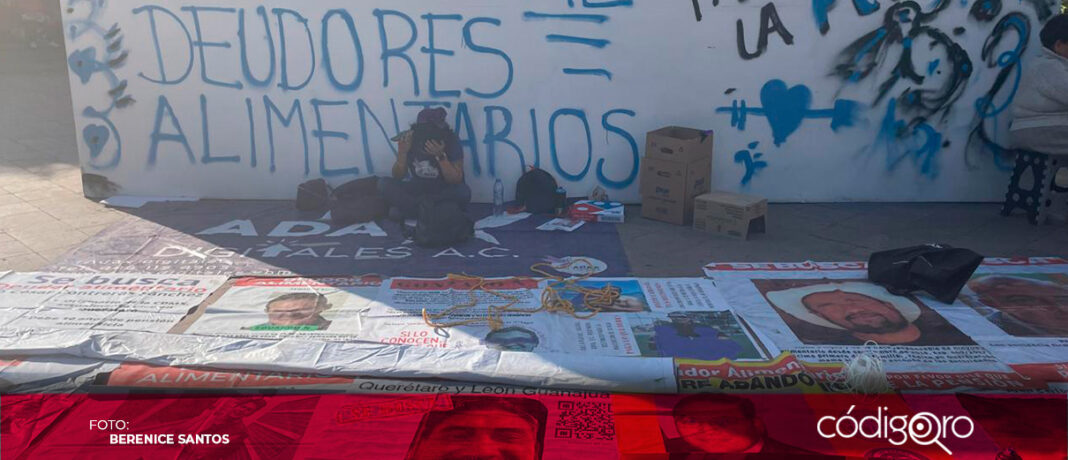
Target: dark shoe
column 395, row 214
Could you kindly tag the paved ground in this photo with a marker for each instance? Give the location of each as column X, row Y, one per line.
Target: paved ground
column 840, row 232
column 43, row 214
column 42, row 210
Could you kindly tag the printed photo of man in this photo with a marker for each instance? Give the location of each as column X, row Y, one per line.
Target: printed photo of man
column 855, row 312
column 512, row 338
column 298, row 311
column 482, row 427
column 721, row 424
column 1023, row 307
column 682, row 337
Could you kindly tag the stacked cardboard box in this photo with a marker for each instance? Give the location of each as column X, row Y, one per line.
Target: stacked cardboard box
column 730, row 214
column 676, row 169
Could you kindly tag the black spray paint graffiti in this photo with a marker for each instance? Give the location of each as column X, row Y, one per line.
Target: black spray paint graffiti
column 985, row 10
column 930, row 86
column 919, row 72
column 769, row 23
column 905, row 26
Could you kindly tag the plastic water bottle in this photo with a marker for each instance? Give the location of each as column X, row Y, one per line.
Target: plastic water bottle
column 498, row 198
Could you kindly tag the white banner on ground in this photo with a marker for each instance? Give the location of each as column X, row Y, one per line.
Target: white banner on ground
column 276, row 308
column 132, row 302
column 410, row 296
column 49, row 373
column 602, row 335
column 567, row 371
column 827, row 312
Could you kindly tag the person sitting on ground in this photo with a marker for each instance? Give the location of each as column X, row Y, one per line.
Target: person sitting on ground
column 1040, row 109
column 429, row 167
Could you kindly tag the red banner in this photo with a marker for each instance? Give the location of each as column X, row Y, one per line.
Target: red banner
column 590, row 426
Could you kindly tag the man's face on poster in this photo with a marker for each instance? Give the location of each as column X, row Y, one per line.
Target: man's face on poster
column 481, row 434
column 294, row 312
column 717, row 426
column 1042, row 305
column 628, row 303
column 512, row 339
column 855, row 312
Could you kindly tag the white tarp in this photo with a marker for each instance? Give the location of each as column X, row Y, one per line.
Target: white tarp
column 49, row 373
column 370, row 360
column 826, row 313
column 373, row 327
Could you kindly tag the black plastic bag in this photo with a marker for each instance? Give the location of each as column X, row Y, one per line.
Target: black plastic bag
column 313, row 195
column 357, row 189
column 536, row 189
column 357, row 201
column 442, row 224
column 939, row 269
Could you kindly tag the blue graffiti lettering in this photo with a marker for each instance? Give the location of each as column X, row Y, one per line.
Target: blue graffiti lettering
column 246, row 69
column 466, row 132
column 365, row 110
column 163, row 80
column 205, row 126
column 286, row 120
column 285, row 83
column 433, row 52
column 487, row 50
column 400, row 52
column 493, row 137
column 321, row 134
column 581, row 115
column 327, row 62
column 199, row 44
column 820, row 8
column 608, row 127
column 251, row 132
column 164, row 108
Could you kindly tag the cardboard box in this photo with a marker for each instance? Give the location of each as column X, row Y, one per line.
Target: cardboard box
column 672, row 180
column 597, row 211
column 669, row 188
column 676, row 143
column 670, row 211
column 730, row 214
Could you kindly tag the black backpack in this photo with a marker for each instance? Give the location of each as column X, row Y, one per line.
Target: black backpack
column 356, row 189
column 313, row 195
column 939, row 269
column 357, row 201
column 536, row 189
column 442, row 224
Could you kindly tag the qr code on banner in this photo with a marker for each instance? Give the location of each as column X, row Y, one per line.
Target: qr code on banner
column 585, row 420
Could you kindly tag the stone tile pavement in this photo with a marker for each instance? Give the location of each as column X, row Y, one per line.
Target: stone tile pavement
column 42, row 211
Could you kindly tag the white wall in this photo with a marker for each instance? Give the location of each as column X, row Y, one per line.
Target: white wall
column 666, row 68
